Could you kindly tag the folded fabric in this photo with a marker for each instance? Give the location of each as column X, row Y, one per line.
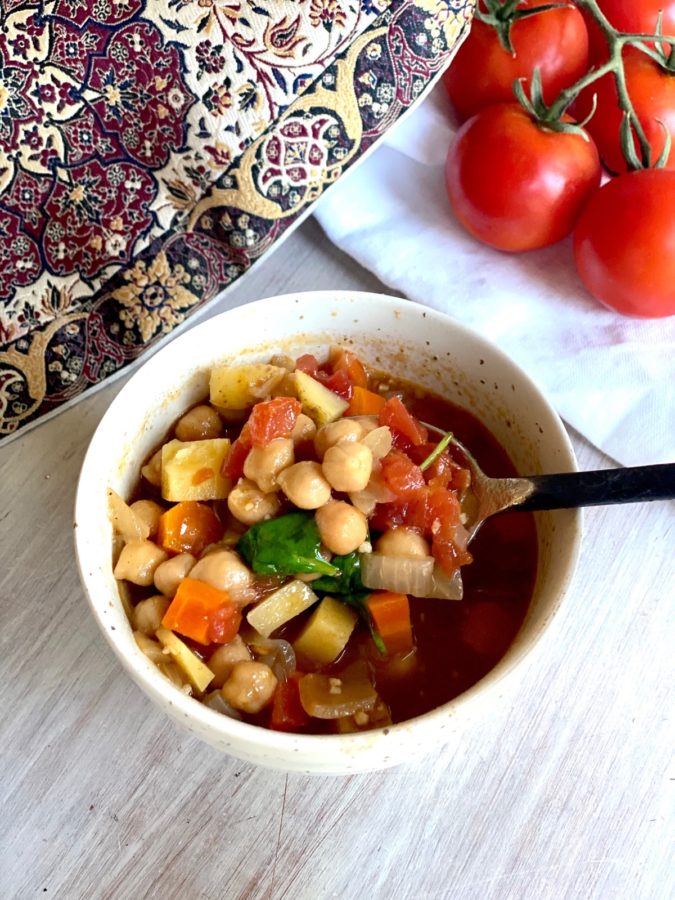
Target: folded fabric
column 610, row 377
column 152, row 150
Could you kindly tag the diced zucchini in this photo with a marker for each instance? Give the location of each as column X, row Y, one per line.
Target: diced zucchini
column 191, row 470
column 318, row 402
column 198, row 674
column 289, row 601
column 326, row 634
column 238, row 387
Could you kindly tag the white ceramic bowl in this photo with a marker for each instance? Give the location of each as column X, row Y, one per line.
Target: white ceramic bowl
column 398, row 336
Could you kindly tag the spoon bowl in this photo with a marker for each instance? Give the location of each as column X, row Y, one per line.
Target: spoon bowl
column 488, row 496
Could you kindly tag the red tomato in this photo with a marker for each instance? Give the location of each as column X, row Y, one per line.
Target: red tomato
column 287, row 710
column 403, row 423
column 483, row 72
column 345, row 360
column 224, row 624
column 272, row 419
column 634, row 16
column 624, row 244
column 339, row 382
column 652, row 91
column 401, row 475
column 233, row 465
column 515, row 185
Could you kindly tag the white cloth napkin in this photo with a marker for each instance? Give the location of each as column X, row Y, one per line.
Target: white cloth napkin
column 610, row 377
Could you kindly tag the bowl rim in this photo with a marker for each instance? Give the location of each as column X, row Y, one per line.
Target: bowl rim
column 160, row 689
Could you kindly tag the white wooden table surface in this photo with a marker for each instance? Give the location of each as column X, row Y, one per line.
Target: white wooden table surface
column 565, row 792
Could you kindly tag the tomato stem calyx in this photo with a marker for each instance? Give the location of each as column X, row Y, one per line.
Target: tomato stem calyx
column 502, row 14
column 635, row 145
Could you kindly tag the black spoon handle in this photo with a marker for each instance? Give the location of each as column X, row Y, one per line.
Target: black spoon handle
column 631, row 485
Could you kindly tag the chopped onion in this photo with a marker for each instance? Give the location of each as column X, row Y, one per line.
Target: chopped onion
column 277, row 654
column 446, row 587
column 376, row 491
column 215, row 700
column 125, row 521
column 417, row 576
column 333, row 698
column 379, row 441
column 403, row 575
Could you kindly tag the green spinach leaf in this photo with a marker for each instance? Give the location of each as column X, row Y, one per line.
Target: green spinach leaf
column 285, row 546
column 348, row 578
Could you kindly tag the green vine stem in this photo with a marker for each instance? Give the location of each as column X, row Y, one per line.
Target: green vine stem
column 552, row 116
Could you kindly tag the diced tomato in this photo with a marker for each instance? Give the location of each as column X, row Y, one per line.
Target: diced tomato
column 308, row 363
column 396, row 416
column 288, row 713
column 233, row 466
column 339, row 382
column 401, row 475
column 448, row 536
column 345, row 360
column 273, row 419
column 224, row 624
column 188, row 527
column 442, row 508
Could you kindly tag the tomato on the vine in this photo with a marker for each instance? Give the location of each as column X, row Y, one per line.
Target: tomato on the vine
column 515, row 184
column 633, row 16
column 624, row 244
column 652, row 92
column 482, row 72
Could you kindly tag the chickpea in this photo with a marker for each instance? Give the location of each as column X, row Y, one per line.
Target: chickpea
column 148, row 512
column 148, row 614
column 263, row 464
column 336, row 432
column 305, row 485
column 304, row 429
column 152, row 470
column 223, row 660
column 342, row 527
column 250, row 687
column 138, row 561
column 248, row 504
column 402, row 541
column 169, row 574
column 199, row 424
column 347, row 466
column 223, row 570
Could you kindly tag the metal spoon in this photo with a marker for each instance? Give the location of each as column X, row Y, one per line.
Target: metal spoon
column 488, row 496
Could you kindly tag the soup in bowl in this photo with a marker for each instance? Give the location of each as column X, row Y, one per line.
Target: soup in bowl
column 270, row 529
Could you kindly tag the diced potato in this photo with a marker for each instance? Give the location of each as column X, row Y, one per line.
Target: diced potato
column 191, row 470
column 326, row 634
column 320, row 404
column 238, row 387
column 285, row 603
column 198, row 674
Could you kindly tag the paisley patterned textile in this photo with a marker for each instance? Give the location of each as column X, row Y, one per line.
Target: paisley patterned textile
column 152, row 150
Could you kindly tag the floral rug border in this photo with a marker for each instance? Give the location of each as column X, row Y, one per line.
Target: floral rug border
column 268, row 190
